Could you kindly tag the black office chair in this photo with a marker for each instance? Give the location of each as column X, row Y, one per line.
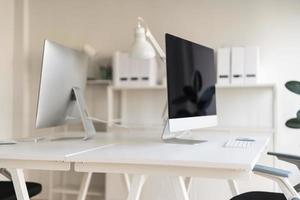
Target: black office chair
column 7, row 191
column 279, row 176
column 260, row 196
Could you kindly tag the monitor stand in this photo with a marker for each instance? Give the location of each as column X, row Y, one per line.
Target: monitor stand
column 170, row 137
column 87, row 123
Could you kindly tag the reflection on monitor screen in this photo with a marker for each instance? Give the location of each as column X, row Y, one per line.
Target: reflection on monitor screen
column 191, row 79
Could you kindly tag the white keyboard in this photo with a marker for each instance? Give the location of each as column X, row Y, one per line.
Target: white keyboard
column 234, row 143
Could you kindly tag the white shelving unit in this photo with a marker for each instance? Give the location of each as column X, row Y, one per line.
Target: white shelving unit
column 239, row 86
column 246, row 87
column 99, row 82
column 122, row 92
column 156, row 87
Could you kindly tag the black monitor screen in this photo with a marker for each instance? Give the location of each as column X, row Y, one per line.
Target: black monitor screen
column 191, row 78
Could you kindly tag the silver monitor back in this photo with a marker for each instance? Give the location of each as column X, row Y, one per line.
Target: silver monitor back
column 63, row 69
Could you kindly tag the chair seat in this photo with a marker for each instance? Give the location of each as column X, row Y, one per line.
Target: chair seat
column 259, row 196
column 7, row 191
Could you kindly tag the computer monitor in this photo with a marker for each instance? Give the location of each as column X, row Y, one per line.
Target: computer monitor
column 191, row 80
column 62, row 84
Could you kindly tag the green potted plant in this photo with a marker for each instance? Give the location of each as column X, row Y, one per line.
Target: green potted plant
column 293, row 86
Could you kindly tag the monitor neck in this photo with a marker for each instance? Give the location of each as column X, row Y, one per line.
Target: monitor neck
column 167, row 134
column 171, row 137
column 86, row 122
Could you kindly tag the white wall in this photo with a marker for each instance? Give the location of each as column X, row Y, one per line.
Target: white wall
column 108, row 25
column 6, row 67
column 274, row 25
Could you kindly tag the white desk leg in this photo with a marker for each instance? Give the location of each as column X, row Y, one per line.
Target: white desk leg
column 233, row 187
column 181, row 188
column 127, row 181
column 136, row 186
column 85, row 183
column 188, row 183
column 19, row 183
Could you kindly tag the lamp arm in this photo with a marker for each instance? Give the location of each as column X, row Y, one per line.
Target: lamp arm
column 155, row 44
column 162, row 56
column 153, row 41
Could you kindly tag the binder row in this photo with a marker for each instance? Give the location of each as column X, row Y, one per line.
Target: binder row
column 133, row 72
column 237, row 65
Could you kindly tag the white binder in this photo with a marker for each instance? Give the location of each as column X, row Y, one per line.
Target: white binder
column 128, row 71
column 252, row 61
column 223, row 63
column 121, row 71
column 237, row 65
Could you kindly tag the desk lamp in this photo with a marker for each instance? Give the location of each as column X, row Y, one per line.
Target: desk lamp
column 143, row 49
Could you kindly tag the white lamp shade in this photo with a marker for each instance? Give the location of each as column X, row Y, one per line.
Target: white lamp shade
column 141, row 48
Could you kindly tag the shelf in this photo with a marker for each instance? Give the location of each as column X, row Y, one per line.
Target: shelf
column 118, row 123
column 241, row 86
column 163, row 87
column 99, row 82
column 74, row 190
column 241, row 129
column 209, row 129
column 156, row 87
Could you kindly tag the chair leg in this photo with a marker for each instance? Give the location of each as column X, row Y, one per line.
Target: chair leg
column 284, row 184
column 19, row 184
column 289, row 188
column 233, row 187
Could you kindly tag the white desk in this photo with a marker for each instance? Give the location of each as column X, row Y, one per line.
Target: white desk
column 133, row 154
column 44, row 155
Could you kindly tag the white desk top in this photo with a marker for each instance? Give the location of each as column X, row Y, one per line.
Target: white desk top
column 140, row 149
column 51, row 150
column 152, row 151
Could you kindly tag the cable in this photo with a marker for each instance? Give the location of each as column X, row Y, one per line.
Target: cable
column 107, row 122
column 112, row 123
